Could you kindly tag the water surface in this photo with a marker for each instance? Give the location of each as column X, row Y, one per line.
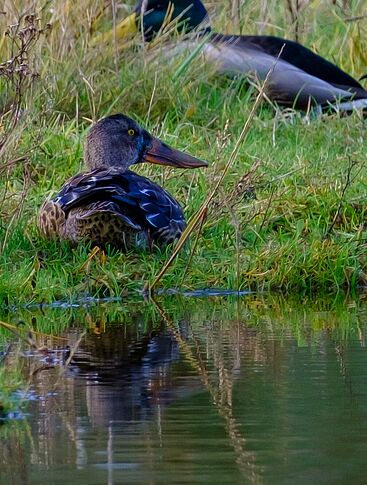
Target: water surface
column 212, row 390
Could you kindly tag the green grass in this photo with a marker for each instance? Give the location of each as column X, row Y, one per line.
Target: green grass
column 306, row 229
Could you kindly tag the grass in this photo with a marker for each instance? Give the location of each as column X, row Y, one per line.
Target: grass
column 304, row 231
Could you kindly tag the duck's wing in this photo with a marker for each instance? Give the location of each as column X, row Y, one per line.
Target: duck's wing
column 297, row 55
column 288, row 84
column 135, row 198
column 159, row 210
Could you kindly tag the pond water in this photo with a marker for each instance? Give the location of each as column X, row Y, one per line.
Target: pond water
column 190, row 390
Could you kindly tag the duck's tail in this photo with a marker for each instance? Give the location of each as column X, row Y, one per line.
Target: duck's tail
column 347, row 107
column 51, row 219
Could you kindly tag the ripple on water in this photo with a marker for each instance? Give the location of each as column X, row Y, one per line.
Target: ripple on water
column 219, row 391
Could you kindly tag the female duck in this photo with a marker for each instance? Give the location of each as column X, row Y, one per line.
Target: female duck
column 111, row 204
column 299, row 78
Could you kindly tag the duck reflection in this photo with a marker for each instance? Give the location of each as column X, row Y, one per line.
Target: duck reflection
column 125, row 370
column 127, row 373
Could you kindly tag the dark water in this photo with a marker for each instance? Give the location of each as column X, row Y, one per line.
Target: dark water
column 215, row 390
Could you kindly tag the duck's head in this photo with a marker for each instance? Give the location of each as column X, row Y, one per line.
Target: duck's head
column 151, row 15
column 118, row 141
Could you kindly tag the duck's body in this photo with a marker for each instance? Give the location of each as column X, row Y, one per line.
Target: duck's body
column 111, row 204
column 107, row 206
column 298, row 77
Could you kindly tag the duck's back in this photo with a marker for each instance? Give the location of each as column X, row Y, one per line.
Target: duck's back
column 120, row 208
column 296, row 54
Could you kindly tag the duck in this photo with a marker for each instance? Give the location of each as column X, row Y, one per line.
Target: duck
column 298, row 77
column 112, row 205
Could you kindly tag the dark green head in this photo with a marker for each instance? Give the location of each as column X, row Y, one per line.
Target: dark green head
column 189, row 14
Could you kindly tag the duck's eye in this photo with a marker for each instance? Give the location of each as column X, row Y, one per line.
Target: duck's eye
column 131, row 132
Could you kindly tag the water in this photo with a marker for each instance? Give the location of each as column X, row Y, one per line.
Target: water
column 212, row 390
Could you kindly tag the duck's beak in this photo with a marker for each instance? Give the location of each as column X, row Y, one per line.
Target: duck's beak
column 162, row 154
column 127, row 27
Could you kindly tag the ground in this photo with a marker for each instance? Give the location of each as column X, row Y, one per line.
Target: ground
column 296, row 222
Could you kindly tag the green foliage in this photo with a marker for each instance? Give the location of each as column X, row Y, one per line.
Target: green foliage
column 306, row 228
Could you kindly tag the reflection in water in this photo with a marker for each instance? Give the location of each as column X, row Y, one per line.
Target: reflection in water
column 226, row 391
column 126, row 375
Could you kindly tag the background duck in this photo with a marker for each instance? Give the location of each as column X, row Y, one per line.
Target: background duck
column 111, row 204
column 299, row 77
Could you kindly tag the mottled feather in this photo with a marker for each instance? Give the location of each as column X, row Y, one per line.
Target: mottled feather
column 110, row 206
column 51, row 219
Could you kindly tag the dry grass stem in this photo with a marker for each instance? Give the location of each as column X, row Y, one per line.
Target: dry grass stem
column 200, row 213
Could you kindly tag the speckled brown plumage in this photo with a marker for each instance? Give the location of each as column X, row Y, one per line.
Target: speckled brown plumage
column 99, row 223
column 111, row 205
column 51, row 219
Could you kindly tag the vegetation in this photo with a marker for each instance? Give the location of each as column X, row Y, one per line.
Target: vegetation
column 290, row 213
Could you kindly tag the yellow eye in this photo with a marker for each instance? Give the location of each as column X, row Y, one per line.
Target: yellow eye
column 131, row 132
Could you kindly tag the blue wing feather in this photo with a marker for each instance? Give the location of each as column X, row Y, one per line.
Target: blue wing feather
column 136, row 197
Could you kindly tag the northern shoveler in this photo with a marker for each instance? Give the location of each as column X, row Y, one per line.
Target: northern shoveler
column 111, row 204
column 299, row 78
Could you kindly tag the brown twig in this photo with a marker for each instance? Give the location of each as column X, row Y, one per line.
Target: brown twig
column 199, row 214
column 347, row 184
column 19, row 70
column 356, row 18
column 15, row 329
column 295, row 8
column 236, row 15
